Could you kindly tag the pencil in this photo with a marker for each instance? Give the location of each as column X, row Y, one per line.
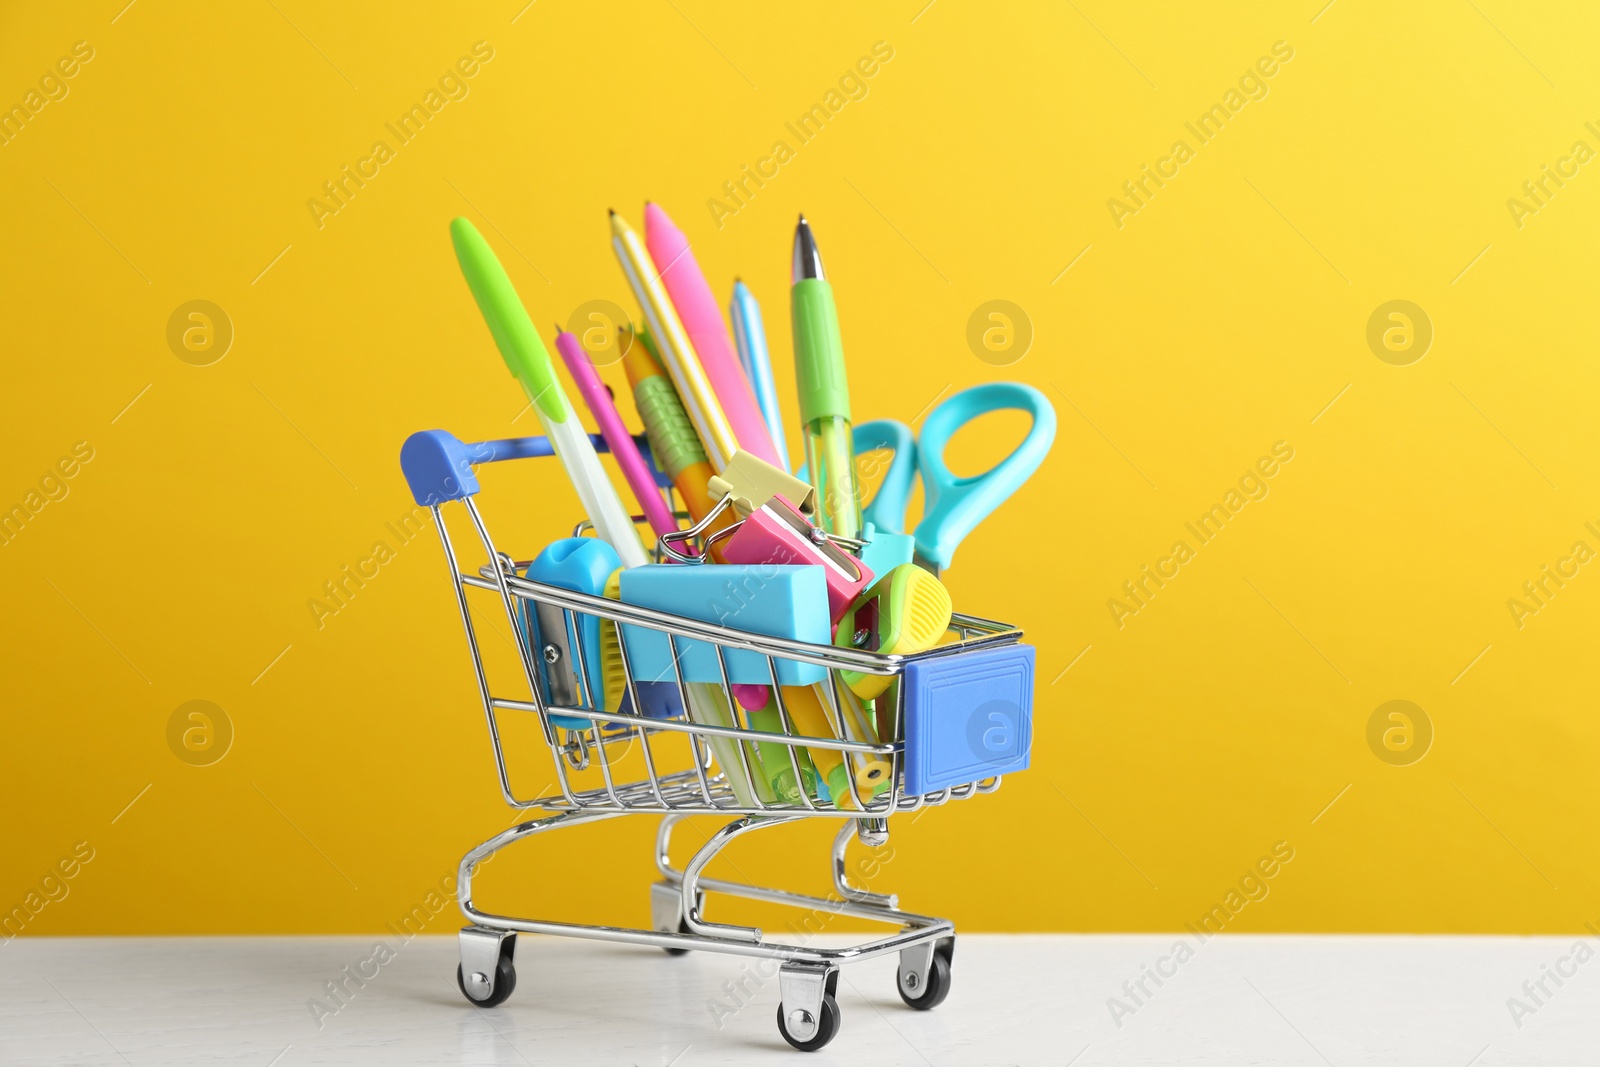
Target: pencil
column 676, row 350
column 673, row 442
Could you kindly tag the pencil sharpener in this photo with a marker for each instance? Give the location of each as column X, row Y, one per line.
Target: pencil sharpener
column 907, row 610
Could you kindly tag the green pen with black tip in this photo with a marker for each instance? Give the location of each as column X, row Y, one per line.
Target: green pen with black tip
column 824, row 389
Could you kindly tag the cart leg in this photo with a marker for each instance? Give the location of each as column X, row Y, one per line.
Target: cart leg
column 487, row 974
column 808, row 1015
column 873, row 832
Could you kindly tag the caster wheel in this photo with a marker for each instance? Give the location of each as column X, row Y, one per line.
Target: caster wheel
column 827, row 1026
column 934, row 989
column 505, row 982
column 683, row 928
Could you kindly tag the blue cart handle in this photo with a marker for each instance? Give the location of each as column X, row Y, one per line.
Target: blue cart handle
column 438, row 465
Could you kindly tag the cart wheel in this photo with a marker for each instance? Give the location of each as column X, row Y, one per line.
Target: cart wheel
column 827, row 1026
column 683, row 928
column 505, row 981
column 934, row 989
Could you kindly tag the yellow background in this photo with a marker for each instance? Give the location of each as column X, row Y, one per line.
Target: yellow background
column 1223, row 317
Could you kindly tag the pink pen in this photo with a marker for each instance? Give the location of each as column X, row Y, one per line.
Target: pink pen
column 702, row 320
column 634, row 468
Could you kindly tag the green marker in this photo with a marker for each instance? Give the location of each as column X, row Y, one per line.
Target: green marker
column 774, row 757
column 529, row 362
column 824, row 389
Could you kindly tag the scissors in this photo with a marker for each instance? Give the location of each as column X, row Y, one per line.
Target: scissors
column 952, row 507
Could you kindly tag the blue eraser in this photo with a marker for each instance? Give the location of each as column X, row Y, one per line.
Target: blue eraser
column 886, row 551
column 968, row 717
column 777, row 601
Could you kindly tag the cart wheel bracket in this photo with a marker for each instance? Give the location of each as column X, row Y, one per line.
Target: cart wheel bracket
column 924, row 975
column 481, row 950
column 666, row 911
column 666, row 907
column 801, row 989
column 915, row 963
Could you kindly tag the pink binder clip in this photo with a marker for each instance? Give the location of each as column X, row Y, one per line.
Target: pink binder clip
column 777, row 533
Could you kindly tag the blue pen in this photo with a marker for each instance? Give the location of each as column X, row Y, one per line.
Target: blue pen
column 751, row 338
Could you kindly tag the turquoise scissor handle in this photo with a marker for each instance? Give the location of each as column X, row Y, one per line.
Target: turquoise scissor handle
column 887, row 511
column 954, row 506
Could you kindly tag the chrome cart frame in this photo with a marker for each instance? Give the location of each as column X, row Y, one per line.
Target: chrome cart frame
column 808, row 1015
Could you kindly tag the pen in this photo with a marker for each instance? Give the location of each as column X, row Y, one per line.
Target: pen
column 775, row 757
column 824, row 390
column 676, row 350
column 702, row 321
column 594, row 393
column 708, row 705
column 805, row 711
column 870, row 773
column 673, row 442
column 751, row 338
column 529, row 361
column 810, row 711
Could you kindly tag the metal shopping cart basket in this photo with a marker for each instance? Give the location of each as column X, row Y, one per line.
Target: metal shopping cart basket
column 955, row 719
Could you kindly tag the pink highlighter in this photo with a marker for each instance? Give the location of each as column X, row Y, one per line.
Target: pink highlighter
column 702, row 320
column 634, row 468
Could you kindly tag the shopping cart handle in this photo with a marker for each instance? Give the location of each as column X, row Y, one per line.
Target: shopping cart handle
column 438, row 465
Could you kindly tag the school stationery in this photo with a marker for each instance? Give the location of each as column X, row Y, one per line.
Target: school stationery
column 582, row 564
column 634, row 468
column 751, row 481
column 674, row 444
column 750, row 338
column 525, row 355
column 776, row 533
column 789, row 602
column 702, row 321
column 953, row 506
column 905, row 611
column 824, row 389
column 676, row 350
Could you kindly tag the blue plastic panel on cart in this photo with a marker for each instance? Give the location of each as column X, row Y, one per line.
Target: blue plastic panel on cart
column 968, row 717
column 762, row 599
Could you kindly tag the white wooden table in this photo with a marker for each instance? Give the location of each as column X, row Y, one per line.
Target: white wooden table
column 1015, row 1000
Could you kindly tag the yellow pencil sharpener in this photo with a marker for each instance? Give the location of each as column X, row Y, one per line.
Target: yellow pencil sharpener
column 907, row 610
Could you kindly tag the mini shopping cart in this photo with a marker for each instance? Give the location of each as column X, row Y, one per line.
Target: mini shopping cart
column 957, row 717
